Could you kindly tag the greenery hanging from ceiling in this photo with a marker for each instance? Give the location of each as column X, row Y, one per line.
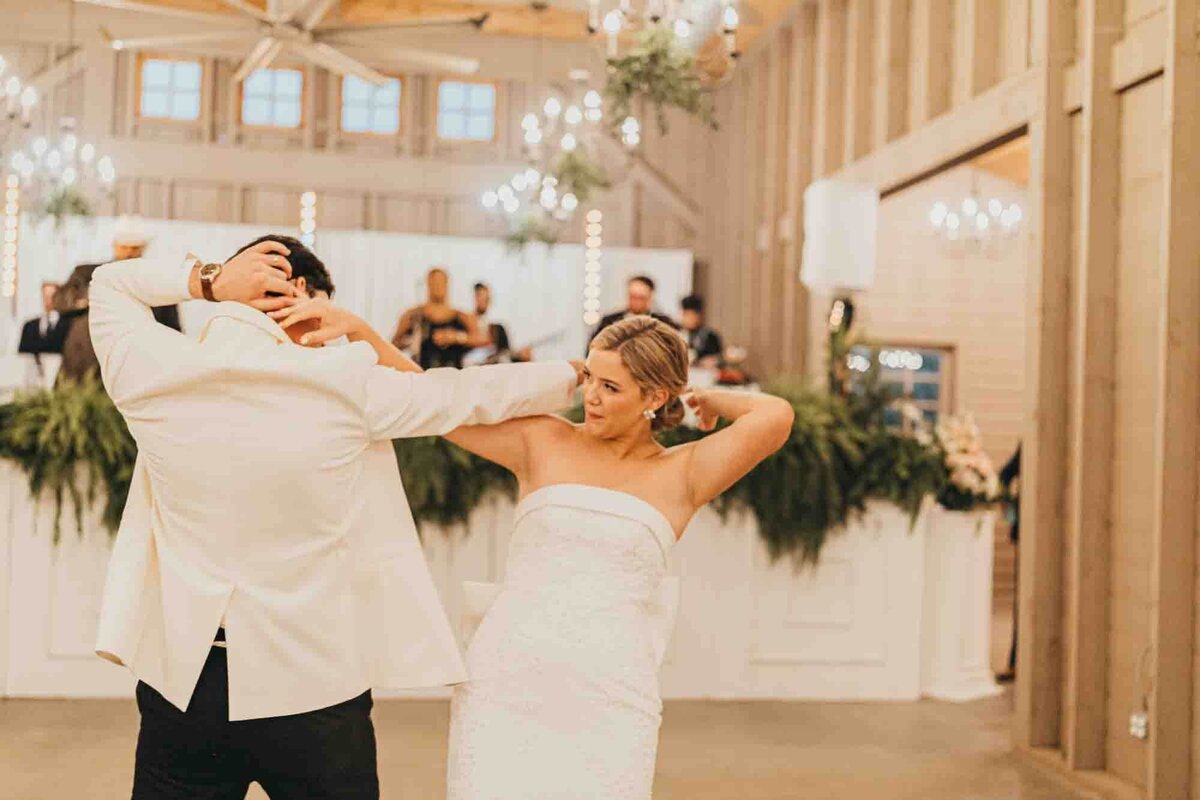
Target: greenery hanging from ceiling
column 662, row 73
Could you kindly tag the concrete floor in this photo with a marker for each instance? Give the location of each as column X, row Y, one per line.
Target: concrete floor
column 51, row 750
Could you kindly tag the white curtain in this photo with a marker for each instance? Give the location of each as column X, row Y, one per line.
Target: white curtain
column 537, row 294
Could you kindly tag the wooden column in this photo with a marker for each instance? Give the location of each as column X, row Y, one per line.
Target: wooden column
column 828, row 118
column 752, row 140
column 890, row 116
column 857, row 127
column 1043, row 462
column 1092, row 362
column 976, row 48
column 798, row 174
column 766, row 303
column 1016, row 37
column 932, row 50
column 1172, row 578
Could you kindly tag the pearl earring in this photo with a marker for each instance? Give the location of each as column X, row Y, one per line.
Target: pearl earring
column 649, row 413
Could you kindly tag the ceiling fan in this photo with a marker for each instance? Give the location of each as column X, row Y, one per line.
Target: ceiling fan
column 297, row 27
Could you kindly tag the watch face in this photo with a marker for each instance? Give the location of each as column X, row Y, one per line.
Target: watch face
column 209, row 271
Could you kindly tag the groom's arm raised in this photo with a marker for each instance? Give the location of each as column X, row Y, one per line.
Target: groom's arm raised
column 131, row 346
column 433, row 403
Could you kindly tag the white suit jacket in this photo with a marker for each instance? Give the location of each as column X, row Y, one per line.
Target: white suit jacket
column 266, row 493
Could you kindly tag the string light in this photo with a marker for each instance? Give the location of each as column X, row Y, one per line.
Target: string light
column 308, row 218
column 592, row 268
column 12, row 228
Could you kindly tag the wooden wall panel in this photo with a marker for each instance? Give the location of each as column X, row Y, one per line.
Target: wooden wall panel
column 1138, row 320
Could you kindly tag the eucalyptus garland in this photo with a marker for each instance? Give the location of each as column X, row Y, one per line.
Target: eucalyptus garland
column 72, row 442
column 658, row 70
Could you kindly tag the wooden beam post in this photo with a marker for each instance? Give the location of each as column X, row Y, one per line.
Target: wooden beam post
column 801, row 89
column 1173, row 559
column 976, row 47
column 1016, row 37
column 932, row 56
column 857, row 125
column 1043, row 460
column 1093, row 361
column 831, row 88
column 765, row 285
column 890, row 116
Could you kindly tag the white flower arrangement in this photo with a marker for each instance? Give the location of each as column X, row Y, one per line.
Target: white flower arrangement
column 971, row 478
column 968, row 467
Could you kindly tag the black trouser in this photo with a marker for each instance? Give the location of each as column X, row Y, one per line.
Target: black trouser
column 201, row 755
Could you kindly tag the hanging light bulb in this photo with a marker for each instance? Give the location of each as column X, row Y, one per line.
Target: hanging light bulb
column 574, row 116
column 532, row 176
column 39, row 146
column 592, row 99
column 612, row 22
column 553, row 107
column 593, row 23
column 569, row 143
column 87, row 153
column 683, row 28
column 530, row 121
column 490, row 199
column 729, row 18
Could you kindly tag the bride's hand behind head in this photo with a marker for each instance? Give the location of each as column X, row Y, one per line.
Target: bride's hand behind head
column 635, row 371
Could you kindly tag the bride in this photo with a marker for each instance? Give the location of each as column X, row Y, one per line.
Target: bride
column 563, row 699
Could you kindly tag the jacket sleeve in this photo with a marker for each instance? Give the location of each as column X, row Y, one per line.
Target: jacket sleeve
column 131, row 346
column 409, row 404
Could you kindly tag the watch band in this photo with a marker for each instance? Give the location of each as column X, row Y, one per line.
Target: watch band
column 206, row 283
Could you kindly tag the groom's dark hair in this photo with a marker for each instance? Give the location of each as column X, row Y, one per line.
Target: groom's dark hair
column 305, row 263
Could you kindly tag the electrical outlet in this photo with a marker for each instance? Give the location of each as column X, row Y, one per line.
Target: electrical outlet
column 1139, row 725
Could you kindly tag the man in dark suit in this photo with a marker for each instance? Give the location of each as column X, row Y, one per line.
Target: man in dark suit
column 704, row 343
column 640, row 300
column 44, row 333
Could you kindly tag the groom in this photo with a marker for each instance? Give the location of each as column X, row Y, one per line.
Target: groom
column 267, row 571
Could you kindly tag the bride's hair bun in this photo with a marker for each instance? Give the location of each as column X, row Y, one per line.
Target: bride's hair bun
column 657, row 358
column 670, row 415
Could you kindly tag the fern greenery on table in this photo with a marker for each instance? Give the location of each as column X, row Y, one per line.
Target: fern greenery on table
column 72, row 443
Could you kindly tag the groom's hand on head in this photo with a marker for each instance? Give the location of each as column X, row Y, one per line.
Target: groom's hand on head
column 258, row 277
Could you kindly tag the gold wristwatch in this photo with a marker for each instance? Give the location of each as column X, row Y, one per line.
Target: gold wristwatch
column 208, row 276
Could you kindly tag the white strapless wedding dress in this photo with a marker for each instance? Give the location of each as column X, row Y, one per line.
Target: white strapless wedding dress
column 563, row 701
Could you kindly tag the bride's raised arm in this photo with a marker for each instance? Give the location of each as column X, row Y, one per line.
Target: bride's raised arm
column 508, row 443
column 761, row 425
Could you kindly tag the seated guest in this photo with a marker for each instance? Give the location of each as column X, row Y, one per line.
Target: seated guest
column 442, row 335
column 44, row 333
column 640, row 301
column 130, row 240
column 704, row 343
column 498, row 348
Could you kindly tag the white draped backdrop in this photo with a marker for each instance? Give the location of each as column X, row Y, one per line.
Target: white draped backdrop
column 535, row 294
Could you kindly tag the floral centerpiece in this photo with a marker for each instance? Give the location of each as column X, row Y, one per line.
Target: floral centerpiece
column 971, row 478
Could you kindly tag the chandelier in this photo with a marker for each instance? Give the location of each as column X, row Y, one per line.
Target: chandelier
column 974, row 221
column 684, row 18
column 19, row 102
column 559, row 141
column 64, row 174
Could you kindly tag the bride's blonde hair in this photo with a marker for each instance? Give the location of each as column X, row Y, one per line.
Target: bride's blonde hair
column 657, row 358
